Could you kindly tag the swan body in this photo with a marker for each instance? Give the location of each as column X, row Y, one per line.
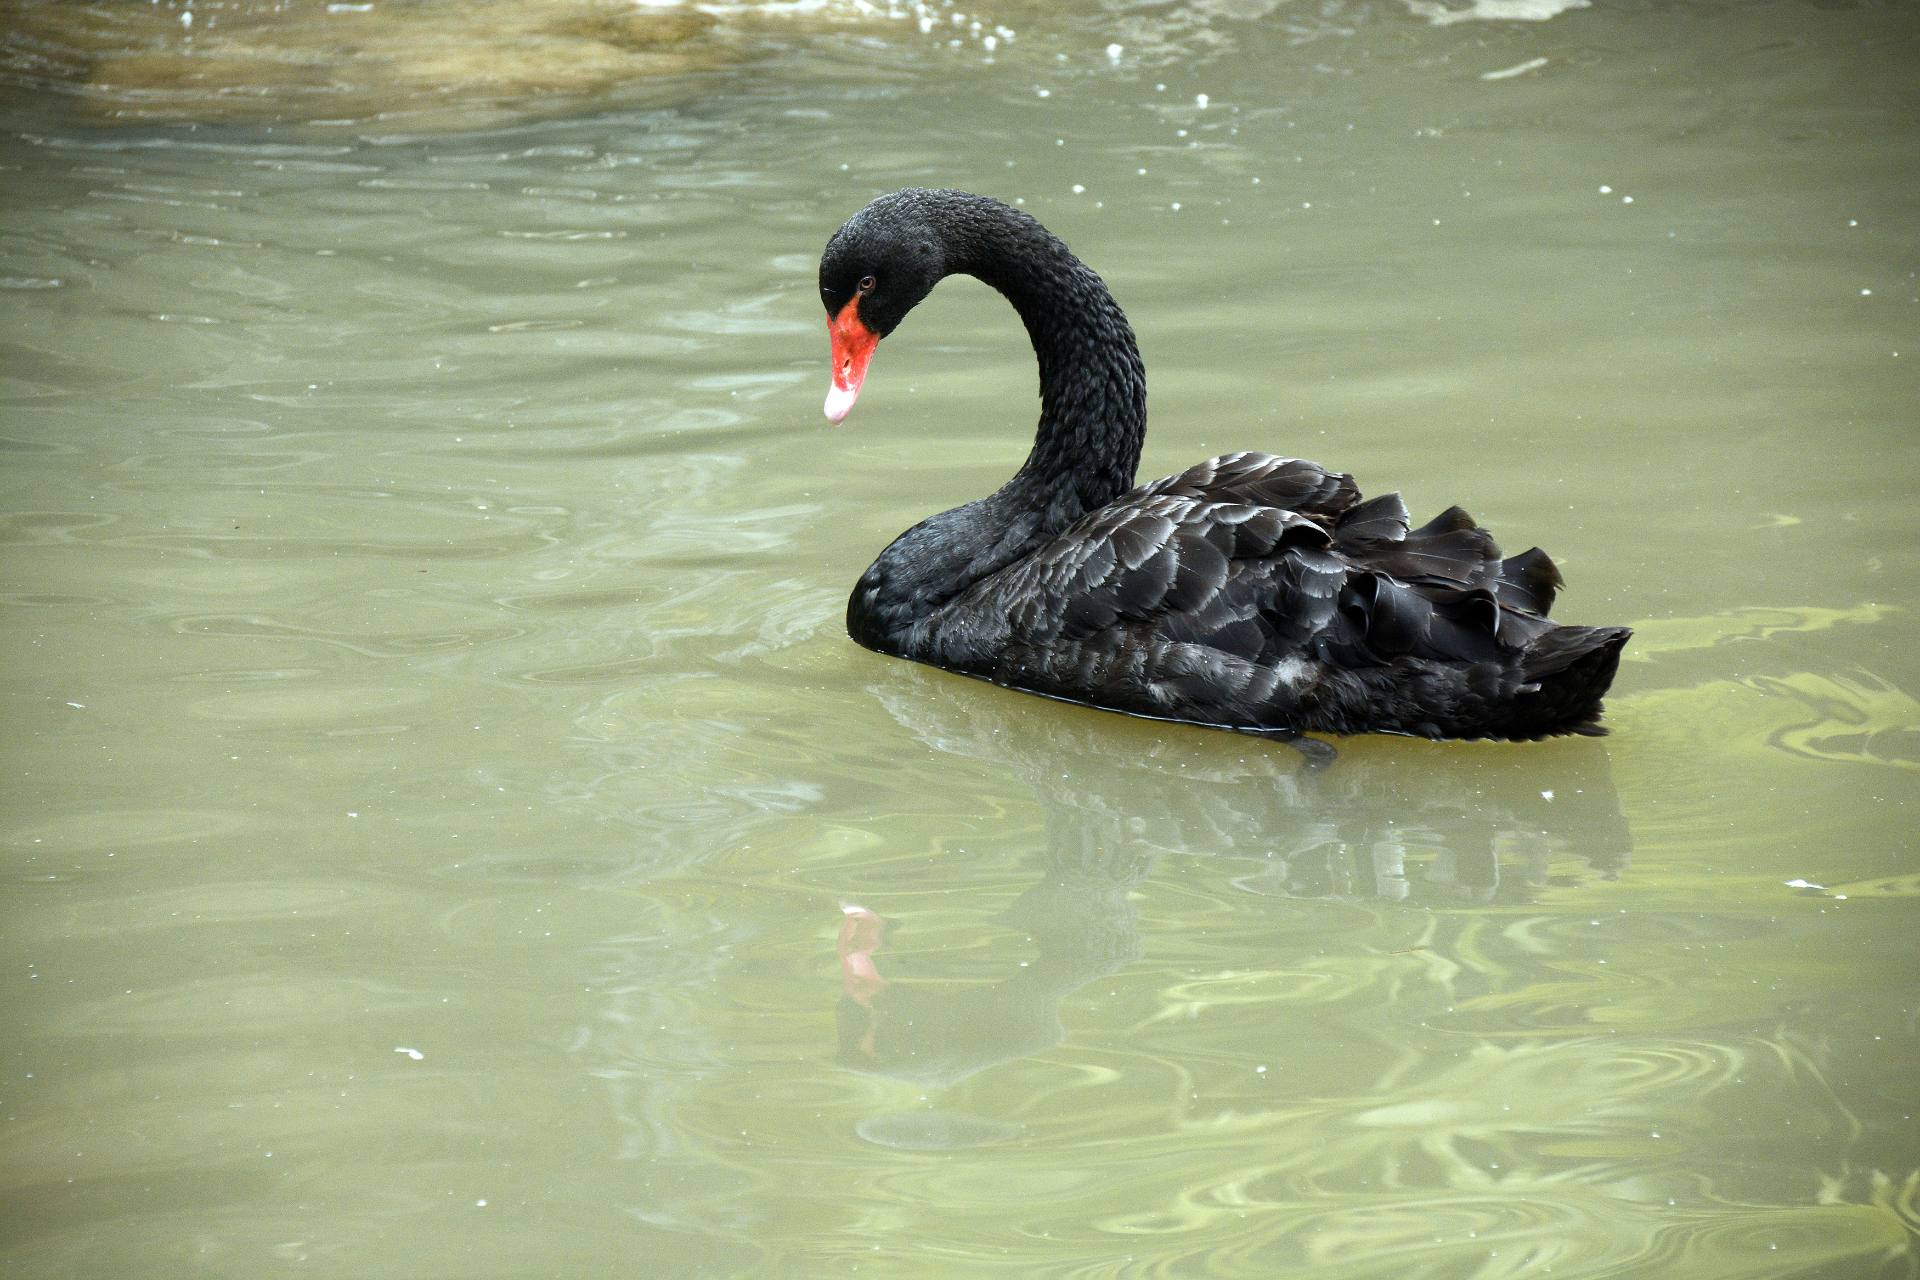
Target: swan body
column 1250, row 592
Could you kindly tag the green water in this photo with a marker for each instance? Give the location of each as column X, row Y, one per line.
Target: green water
column 437, row 779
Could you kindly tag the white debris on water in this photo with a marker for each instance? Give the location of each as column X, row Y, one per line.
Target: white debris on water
column 1441, row 15
column 415, row 1054
column 1520, row 69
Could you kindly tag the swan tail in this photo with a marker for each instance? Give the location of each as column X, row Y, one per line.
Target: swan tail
column 1564, row 672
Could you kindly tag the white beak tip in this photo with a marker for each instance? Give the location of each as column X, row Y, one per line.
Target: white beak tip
column 839, row 403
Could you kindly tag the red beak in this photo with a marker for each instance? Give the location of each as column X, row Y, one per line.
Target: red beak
column 853, row 345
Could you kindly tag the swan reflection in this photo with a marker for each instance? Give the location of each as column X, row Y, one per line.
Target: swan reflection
column 1429, row 825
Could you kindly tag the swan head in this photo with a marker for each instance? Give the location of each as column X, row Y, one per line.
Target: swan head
column 875, row 269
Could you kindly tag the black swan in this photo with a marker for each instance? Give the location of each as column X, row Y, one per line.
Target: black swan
column 1249, row 592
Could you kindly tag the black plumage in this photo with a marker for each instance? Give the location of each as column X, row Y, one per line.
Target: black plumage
column 1249, row 592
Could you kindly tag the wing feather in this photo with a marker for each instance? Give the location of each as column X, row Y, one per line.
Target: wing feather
column 1209, row 583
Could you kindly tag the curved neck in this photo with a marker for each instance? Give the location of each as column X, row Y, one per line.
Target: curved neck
column 1093, row 387
column 1093, row 418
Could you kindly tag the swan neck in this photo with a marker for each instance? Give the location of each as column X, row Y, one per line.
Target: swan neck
column 1093, row 418
column 1093, row 386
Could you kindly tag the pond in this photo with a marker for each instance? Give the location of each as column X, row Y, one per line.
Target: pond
column 447, row 829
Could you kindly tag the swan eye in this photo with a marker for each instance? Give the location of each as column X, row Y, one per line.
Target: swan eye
column 866, row 284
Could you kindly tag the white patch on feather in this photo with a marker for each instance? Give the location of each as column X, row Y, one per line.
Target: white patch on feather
column 1293, row 672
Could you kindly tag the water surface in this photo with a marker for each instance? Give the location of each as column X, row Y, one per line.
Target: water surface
column 447, row 829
